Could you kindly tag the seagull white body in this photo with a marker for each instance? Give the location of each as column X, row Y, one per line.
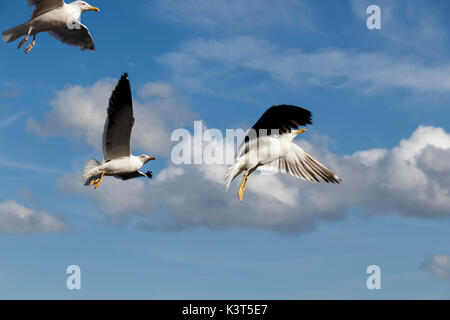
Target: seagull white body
column 58, row 18
column 263, row 151
column 118, row 160
column 55, row 19
column 118, row 166
column 277, row 152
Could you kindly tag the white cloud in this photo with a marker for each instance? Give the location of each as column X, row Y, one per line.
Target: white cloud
column 80, row 113
column 10, row 120
column 179, row 199
column 199, row 62
column 410, row 179
column 15, row 218
column 159, row 89
column 235, row 15
column 438, row 266
column 4, row 162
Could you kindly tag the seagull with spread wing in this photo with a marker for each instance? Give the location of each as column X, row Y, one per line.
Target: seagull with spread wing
column 118, row 160
column 59, row 19
column 269, row 146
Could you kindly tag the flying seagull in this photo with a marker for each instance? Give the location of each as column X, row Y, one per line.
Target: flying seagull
column 269, row 146
column 118, row 160
column 59, row 19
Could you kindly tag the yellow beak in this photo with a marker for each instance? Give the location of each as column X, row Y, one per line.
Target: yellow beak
column 300, row 131
column 94, row 9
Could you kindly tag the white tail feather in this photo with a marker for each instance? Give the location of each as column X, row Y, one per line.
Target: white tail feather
column 90, row 165
column 233, row 172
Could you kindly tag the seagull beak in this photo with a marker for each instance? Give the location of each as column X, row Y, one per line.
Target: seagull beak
column 94, row 9
column 150, row 159
column 300, row 131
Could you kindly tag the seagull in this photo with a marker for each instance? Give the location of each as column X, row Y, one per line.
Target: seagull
column 269, row 146
column 118, row 160
column 59, row 19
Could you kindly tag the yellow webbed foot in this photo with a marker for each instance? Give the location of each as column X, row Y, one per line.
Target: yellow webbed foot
column 99, row 180
column 241, row 194
column 242, row 186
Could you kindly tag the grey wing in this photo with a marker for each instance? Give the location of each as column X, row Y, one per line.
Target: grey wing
column 118, row 126
column 44, row 6
column 300, row 164
column 79, row 36
column 135, row 174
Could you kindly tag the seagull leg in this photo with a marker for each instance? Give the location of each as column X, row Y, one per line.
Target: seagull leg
column 242, row 186
column 99, row 180
column 22, row 42
column 31, row 46
column 25, row 39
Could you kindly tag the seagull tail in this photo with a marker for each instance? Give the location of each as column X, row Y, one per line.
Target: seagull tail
column 90, row 165
column 14, row 33
column 233, row 172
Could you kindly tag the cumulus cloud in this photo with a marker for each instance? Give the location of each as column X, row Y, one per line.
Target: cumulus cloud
column 438, row 266
column 410, row 179
column 333, row 67
column 188, row 197
column 80, row 113
column 18, row 219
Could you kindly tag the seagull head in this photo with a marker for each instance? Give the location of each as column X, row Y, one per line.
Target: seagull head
column 294, row 133
column 84, row 6
column 145, row 158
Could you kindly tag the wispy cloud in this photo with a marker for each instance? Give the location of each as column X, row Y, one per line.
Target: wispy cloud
column 10, row 120
column 9, row 90
column 235, row 15
column 438, row 266
column 14, row 164
column 206, row 60
column 409, row 24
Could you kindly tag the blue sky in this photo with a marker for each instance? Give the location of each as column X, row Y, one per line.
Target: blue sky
column 381, row 120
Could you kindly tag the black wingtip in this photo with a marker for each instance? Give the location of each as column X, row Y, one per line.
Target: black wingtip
column 149, row 174
column 124, row 81
column 121, row 95
column 307, row 115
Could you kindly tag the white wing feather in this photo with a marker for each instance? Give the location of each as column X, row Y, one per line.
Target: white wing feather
column 300, row 164
column 44, row 6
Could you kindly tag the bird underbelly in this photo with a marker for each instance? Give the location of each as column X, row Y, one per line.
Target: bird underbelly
column 119, row 166
column 51, row 20
column 40, row 26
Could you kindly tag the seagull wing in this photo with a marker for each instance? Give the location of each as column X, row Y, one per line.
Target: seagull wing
column 79, row 36
column 300, row 164
column 283, row 118
column 44, row 6
column 132, row 175
column 117, row 132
